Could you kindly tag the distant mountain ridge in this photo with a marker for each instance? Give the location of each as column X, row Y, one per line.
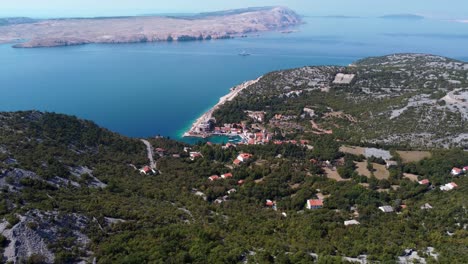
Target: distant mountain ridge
column 403, row 16
column 204, row 26
column 16, row 20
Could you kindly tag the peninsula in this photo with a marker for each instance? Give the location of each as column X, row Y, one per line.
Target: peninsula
column 204, row 26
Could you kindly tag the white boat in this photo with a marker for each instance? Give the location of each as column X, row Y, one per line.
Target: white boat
column 244, row 54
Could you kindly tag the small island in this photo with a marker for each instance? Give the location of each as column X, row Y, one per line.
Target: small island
column 30, row 33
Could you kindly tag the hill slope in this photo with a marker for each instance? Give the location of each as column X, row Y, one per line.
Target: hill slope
column 412, row 100
column 71, row 191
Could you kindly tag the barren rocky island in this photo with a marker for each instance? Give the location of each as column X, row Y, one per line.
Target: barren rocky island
column 32, row 33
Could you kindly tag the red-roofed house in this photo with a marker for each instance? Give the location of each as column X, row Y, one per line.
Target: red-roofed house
column 226, row 175
column 269, row 203
column 456, row 171
column 425, row 182
column 314, row 204
column 146, row 170
column 240, row 182
column 213, row 178
column 465, row 169
column 449, row 186
column 237, row 162
column 194, row 155
column 244, row 156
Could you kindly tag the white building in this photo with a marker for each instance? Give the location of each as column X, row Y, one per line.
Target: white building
column 351, row 222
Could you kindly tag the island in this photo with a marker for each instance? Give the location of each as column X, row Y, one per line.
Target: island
column 30, row 33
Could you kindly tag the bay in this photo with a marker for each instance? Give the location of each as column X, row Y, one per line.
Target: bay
column 150, row 89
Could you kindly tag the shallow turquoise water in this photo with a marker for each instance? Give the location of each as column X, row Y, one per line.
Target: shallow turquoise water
column 160, row 88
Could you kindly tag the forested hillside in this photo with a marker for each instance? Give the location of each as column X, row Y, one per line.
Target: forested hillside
column 71, row 192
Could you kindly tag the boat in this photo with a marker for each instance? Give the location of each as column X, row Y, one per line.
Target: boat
column 244, row 54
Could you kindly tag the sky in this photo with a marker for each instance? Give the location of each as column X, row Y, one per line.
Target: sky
column 446, row 9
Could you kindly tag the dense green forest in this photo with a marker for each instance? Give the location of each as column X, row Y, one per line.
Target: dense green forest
column 176, row 217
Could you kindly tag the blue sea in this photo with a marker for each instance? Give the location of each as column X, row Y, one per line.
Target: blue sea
column 150, row 89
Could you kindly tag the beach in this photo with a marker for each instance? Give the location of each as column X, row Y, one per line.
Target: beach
column 194, row 130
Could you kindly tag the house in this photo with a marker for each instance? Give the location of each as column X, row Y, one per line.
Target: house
column 237, row 162
column 244, row 157
column 390, row 163
column 240, row 182
column 425, row 182
column 213, row 178
column 426, row 206
column 147, row 170
column 456, row 171
column 231, row 191
column 465, row 169
column 449, row 186
column 314, row 204
column 386, row 209
column 270, row 203
column 195, row 155
column 351, row 222
column 226, row 176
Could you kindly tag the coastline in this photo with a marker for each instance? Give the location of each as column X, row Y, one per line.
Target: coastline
column 193, row 131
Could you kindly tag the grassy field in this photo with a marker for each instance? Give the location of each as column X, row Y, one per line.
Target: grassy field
column 333, row 174
column 410, row 176
column 413, row 156
column 380, row 171
column 353, row 150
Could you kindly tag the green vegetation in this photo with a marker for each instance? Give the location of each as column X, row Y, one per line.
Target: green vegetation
column 164, row 221
column 71, row 176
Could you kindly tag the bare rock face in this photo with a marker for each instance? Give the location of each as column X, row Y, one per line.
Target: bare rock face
column 36, row 231
column 217, row 25
column 24, row 242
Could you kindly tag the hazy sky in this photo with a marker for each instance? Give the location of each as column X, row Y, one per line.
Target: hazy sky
column 48, row 8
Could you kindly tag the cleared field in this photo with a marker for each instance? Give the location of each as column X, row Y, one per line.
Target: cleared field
column 333, row 174
column 410, row 176
column 413, row 156
column 353, row 150
column 380, row 171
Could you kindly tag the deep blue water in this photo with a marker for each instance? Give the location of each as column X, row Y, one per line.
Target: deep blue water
column 160, row 88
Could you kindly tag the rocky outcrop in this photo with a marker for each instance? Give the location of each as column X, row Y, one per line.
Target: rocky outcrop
column 36, row 231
